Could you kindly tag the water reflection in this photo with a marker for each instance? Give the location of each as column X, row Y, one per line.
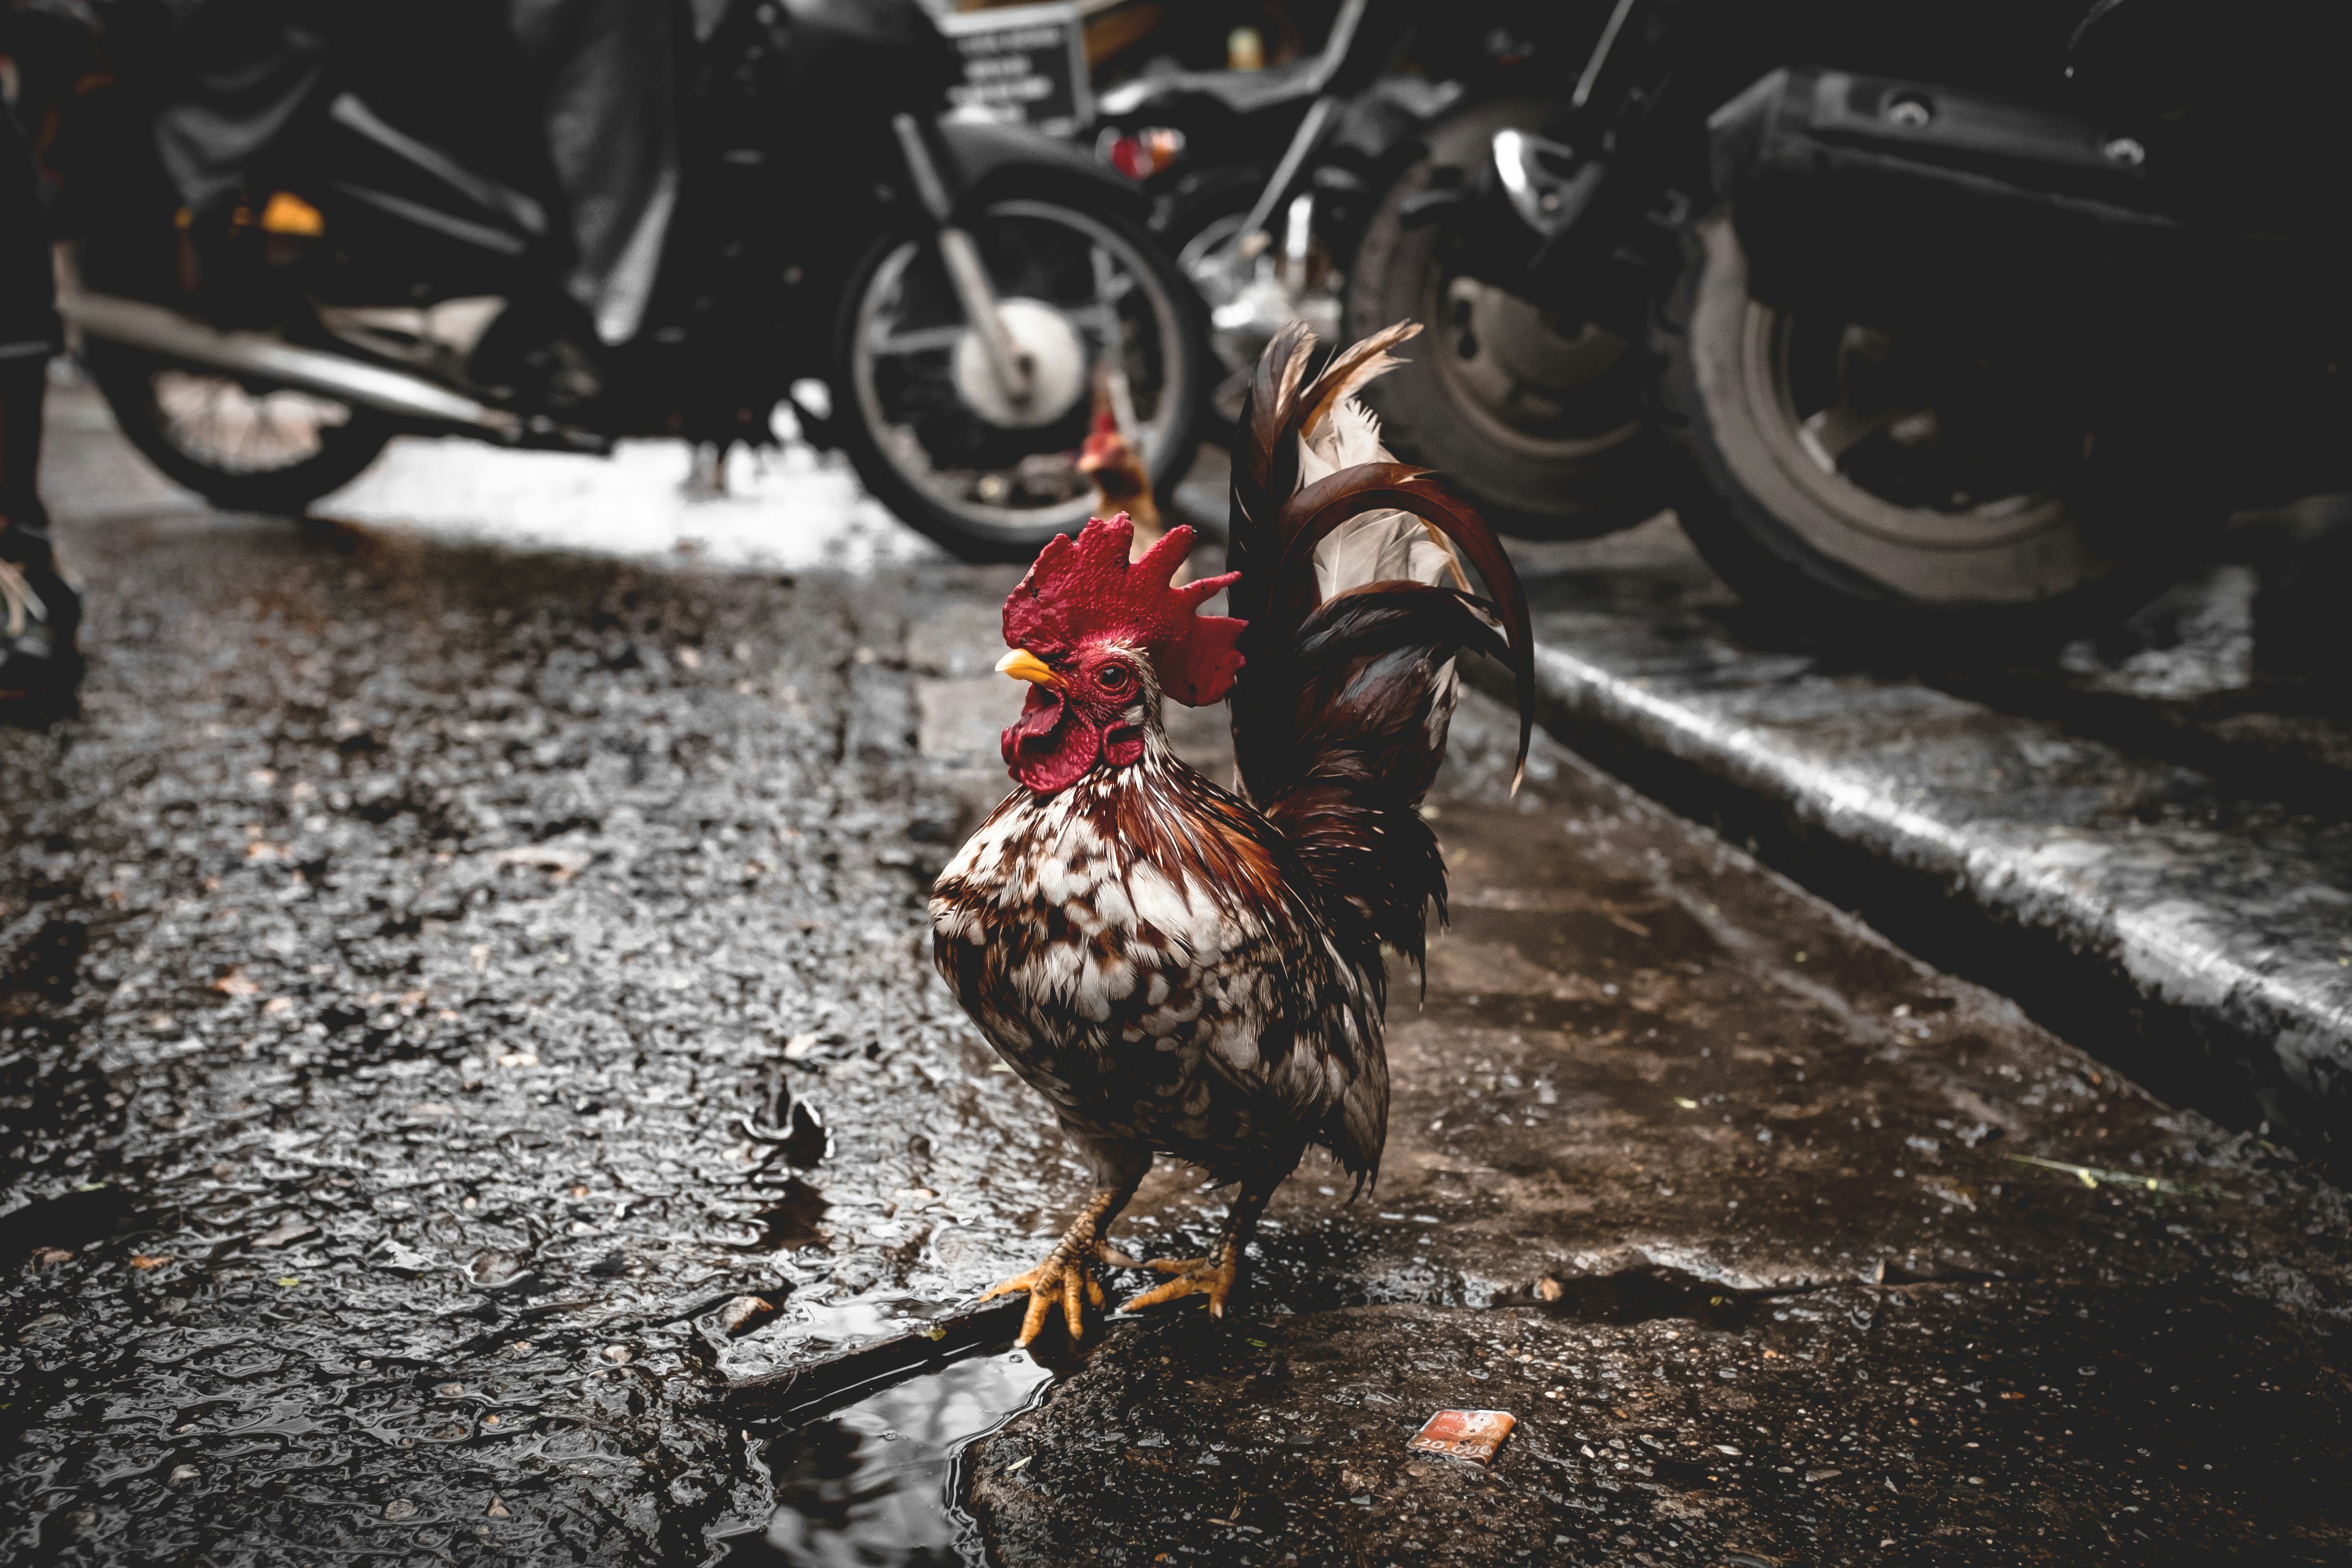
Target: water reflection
column 874, row 1485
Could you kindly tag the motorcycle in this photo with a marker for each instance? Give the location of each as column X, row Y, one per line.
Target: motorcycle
column 932, row 295
column 1257, row 236
column 1262, row 181
column 1975, row 320
column 1541, row 418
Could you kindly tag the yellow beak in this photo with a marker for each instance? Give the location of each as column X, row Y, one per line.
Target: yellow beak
column 1023, row 664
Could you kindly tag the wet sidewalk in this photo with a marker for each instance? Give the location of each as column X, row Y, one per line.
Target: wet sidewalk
column 2141, row 837
column 1780, row 1245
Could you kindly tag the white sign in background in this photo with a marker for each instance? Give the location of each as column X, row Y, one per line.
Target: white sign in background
column 1023, row 63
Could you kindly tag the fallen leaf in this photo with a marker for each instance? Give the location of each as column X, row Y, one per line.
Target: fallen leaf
column 235, row 982
column 741, row 1313
column 142, row 1262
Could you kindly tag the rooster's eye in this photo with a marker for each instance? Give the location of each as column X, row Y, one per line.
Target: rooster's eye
column 1115, row 677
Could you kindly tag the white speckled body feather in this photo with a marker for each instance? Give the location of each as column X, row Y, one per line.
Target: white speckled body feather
column 1144, row 950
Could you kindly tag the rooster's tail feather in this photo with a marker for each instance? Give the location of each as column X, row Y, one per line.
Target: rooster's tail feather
column 1357, row 602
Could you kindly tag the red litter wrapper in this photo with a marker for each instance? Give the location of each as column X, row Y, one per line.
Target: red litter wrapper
column 1473, row 1434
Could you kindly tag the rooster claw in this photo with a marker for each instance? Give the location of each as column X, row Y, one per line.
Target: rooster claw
column 1062, row 1279
column 1194, row 1276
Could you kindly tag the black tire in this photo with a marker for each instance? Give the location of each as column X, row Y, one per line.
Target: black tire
column 1564, row 459
column 1801, row 539
column 135, row 382
column 973, row 529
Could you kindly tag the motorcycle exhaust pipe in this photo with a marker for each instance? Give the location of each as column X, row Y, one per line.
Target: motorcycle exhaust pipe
column 167, row 332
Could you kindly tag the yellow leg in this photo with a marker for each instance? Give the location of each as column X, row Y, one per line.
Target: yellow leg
column 1210, row 1276
column 1066, row 1276
column 1214, row 1275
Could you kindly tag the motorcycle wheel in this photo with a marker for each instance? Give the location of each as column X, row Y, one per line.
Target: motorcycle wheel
column 1841, row 486
column 1539, row 419
column 1079, row 288
column 242, row 447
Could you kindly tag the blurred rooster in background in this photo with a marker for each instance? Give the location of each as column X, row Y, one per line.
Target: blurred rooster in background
column 1178, row 970
column 1122, row 483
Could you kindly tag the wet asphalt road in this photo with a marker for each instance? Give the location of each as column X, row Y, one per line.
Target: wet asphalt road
column 400, row 948
column 459, row 1006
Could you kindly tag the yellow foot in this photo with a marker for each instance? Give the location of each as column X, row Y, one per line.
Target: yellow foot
column 1213, row 1277
column 1062, row 1277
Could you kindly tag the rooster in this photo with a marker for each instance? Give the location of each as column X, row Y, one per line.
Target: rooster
column 1121, row 483
column 1186, row 971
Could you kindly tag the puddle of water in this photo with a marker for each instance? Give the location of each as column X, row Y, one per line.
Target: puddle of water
column 876, row 1484
column 854, row 1320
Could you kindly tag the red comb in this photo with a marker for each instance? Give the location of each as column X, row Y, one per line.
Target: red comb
column 1082, row 590
column 1103, row 445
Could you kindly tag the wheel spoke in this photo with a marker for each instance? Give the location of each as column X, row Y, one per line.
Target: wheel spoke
column 266, row 427
column 891, row 345
column 248, row 431
column 218, row 422
column 1112, row 281
column 1104, row 319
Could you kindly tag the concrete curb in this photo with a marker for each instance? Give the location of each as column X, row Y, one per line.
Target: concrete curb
column 2201, row 943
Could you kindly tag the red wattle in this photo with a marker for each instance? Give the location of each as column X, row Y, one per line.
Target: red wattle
column 1050, row 747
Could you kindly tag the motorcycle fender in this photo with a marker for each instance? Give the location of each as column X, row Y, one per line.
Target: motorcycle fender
column 988, row 161
column 1885, row 198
